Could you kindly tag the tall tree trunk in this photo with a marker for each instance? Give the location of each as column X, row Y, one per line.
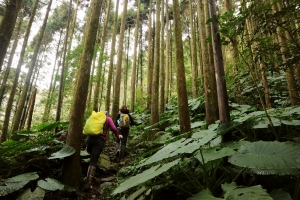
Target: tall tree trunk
column 7, row 26
column 184, row 115
column 234, row 42
column 126, row 68
column 71, row 165
column 17, row 74
column 134, row 65
column 52, row 85
column 11, row 56
column 29, row 74
column 101, row 56
column 90, row 91
column 167, row 54
column 289, row 71
column 162, row 70
column 29, row 97
column 195, row 88
column 31, row 108
column 115, row 106
column 155, row 77
column 224, row 113
column 63, row 69
column 150, row 53
column 111, row 60
column 209, row 80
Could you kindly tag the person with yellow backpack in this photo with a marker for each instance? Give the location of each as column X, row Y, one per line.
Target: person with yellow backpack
column 96, row 128
column 123, row 122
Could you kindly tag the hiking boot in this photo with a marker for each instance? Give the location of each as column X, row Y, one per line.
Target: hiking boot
column 89, row 178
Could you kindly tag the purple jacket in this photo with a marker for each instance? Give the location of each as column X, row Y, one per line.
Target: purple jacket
column 109, row 124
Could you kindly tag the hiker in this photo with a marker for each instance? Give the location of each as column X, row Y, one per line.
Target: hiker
column 123, row 121
column 95, row 145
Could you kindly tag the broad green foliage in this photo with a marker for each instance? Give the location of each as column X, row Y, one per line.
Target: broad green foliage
column 145, row 176
column 268, row 157
column 64, row 152
column 17, row 182
column 205, row 147
column 234, row 192
column 50, row 184
column 203, row 195
column 32, row 148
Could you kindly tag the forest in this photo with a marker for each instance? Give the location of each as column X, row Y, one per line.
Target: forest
column 212, row 85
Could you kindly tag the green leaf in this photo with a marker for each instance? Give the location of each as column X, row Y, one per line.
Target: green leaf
column 23, row 177
column 11, row 187
column 264, row 122
column 144, row 176
column 37, row 194
column 64, row 152
column 203, row 195
column 291, row 123
column 277, row 157
column 50, row 184
column 136, row 193
column 233, row 192
column 165, row 151
column 197, row 124
column 215, row 153
column 291, row 110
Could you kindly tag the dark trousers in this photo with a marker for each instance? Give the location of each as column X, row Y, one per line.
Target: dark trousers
column 124, row 133
column 95, row 145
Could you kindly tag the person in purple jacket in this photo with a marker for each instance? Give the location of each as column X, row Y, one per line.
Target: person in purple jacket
column 94, row 146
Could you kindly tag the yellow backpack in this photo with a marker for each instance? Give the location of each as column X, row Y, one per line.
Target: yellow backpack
column 94, row 124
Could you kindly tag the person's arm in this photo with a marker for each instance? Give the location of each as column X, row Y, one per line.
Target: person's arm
column 113, row 128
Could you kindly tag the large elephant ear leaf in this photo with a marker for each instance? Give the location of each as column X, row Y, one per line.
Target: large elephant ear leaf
column 268, row 157
column 23, row 177
column 17, row 182
column 144, row 176
column 203, row 195
column 64, row 152
column 215, row 153
column 234, row 192
column 50, row 184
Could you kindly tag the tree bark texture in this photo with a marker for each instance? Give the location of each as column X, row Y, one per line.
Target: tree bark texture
column 162, row 67
column 224, row 113
column 116, row 101
column 11, row 56
column 100, row 61
column 71, row 166
column 155, row 77
column 195, row 88
column 150, row 61
column 184, row 116
column 134, row 65
column 111, row 59
column 7, row 26
column 209, row 79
